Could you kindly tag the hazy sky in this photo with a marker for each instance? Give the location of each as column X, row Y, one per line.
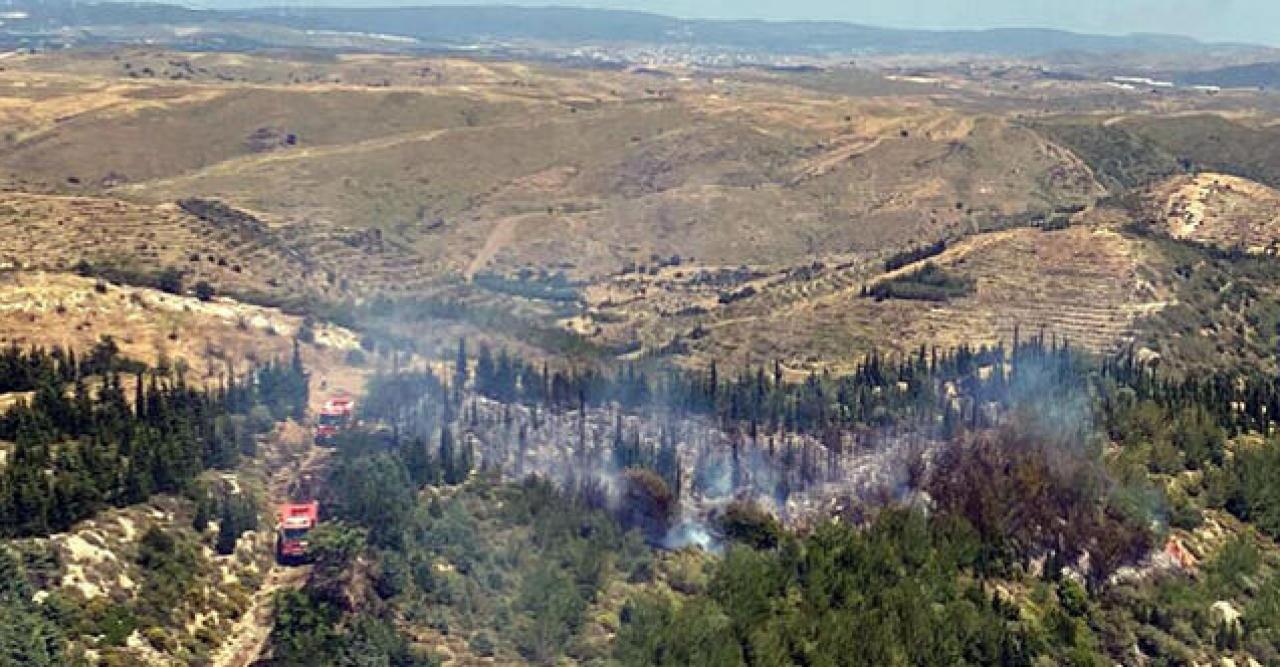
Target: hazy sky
column 1255, row 21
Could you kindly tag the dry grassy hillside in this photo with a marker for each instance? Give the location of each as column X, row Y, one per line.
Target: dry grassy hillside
column 1088, row 284
column 1218, row 210
column 45, row 309
column 64, row 232
column 622, row 182
column 735, row 215
column 494, row 167
column 235, row 252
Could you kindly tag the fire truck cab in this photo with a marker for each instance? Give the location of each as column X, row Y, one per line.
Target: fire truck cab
column 335, row 415
column 295, row 523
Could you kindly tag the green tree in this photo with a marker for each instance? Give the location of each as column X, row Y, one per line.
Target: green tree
column 204, row 290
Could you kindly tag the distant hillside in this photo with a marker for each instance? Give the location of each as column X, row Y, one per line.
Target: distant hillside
column 1141, row 150
column 1254, row 75
column 441, row 26
column 566, row 24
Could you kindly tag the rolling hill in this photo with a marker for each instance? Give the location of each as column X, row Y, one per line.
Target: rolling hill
column 399, row 28
column 596, row 318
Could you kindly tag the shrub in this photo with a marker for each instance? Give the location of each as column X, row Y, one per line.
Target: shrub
column 914, row 255
column 170, row 280
column 204, row 291
column 647, row 504
column 928, row 283
column 307, row 331
column 238, row 514
column 482, row 644
column 745, row 522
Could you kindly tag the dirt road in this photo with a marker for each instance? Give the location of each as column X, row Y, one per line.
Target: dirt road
column 248, row 638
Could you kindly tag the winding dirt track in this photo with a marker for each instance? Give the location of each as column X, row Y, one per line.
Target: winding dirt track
column 248, row 638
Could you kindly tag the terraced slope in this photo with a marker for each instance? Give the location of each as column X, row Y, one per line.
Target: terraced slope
column 1086, row 284
column 234, row 251
column 61, row 233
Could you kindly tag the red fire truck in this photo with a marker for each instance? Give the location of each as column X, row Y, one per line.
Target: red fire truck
column 295, row 523
column 336, row 415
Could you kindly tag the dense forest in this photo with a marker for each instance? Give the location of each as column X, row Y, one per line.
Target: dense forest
column 1053, row 478
column 99, row 430
column 83, row 442
column 523, row 512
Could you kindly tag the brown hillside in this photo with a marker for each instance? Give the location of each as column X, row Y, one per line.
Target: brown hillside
column 1087, row 285
column 492, row 167
column 623, row 182
column 44, row 309
column 1218, row 210
column 695, row 212
column 234, row 251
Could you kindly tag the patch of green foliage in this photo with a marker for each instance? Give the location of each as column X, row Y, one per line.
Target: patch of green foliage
column 927, row 283
column 544, row 286
column 901, row 259
column 1208, row 142
column 899, row 592
column 77, row 451
column 316, row 626
column 170, row 566
column 1119, row 158
column 1227, row 312
column 520, row 565
column 514, row 568
column 30, row 634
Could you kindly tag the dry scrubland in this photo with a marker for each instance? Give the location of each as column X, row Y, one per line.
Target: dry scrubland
column 1086, row 284
column 1219, row 210
column 527, row 165
column 208, row 338
column 732, row 214
column 738, row 217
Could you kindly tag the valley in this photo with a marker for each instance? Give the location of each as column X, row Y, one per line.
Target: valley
column 671, row 342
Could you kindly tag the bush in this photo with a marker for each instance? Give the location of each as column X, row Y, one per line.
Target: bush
column 239, row 514
column 745, row 522
column 482, row 644
column 928, row 283
column 914, row 255
column 647, row 504
column 115, row 623
column 727, row 298
column 204, row 291
column 204, row 512
column 170, row 280
column 307, row 331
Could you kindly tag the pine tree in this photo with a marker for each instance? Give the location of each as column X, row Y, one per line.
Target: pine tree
column 204, row 512
column 229, row 529
column 460, row 371
column 448, row 456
